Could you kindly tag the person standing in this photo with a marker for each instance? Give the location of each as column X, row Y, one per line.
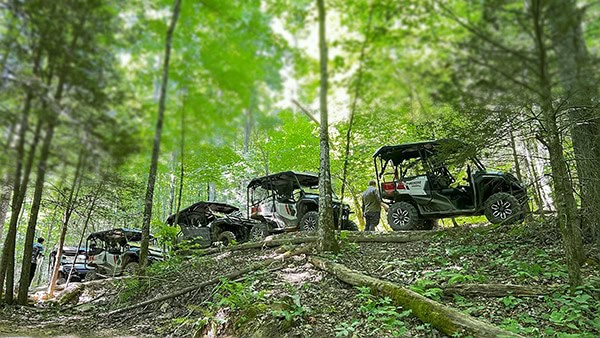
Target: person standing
column 37, row 252
column 371, row 206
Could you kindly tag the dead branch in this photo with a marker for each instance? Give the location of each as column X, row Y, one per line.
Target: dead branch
column 497, row 290
column 444, row 318
column 233, row 275
column 351, row 236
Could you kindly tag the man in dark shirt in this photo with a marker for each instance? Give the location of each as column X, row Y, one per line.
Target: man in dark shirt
column 371, row 202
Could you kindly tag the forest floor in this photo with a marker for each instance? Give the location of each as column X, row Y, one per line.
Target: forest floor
column 294, row 299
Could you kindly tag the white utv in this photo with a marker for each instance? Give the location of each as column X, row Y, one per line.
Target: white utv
column 415, row 180
column 289, row 201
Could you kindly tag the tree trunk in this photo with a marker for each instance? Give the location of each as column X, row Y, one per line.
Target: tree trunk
column 327, row 236
column 181, row 162
column 156, row 144
column 444, row 318
column 566, row 205
column 7, row 264
column 33, row 215
column 580, row 89
column 5, row 196
column 353, row 111
column 69, row 208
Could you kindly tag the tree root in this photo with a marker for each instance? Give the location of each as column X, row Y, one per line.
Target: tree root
column 444, row 318
column 230, row 276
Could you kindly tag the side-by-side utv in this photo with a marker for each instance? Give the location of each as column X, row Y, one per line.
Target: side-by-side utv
column 415, row 179
column 289, row 201
column 205, row 223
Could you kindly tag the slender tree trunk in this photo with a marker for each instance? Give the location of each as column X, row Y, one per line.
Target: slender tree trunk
column 7, row 264
column 69, row 208
column 529, row 164
column 88, row 217
column 581, row 89
column 33, row 215
column 156, row 144
column 566, row 205
column 353, row 109
column 182, row 157
column 327, row 238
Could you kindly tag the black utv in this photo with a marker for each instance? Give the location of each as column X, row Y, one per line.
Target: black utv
column 414, row 178
column 205, row 223
column 289, row 201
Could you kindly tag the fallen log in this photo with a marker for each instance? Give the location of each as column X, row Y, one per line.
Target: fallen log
column 269, row 243
column 442, row 317
column 71, row 295
column 357, row 237
column 497, row 290
column 230, row 276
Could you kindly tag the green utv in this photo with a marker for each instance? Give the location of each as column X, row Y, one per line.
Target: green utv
column 414, row 178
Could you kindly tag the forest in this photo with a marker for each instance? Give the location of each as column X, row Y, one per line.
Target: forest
column 300, row 168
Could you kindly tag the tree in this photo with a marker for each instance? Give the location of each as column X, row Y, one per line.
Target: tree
column 147, row 217
column 327, row 238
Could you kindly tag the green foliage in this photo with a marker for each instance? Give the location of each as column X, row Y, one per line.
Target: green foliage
column 427, row 288
column 290, row 309
column 380, row 316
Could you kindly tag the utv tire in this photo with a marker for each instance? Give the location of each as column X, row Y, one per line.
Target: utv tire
column 309, row 221
column 349, row 225
column 503, row 208
column 131, row 268
column 258, row 232
column 226, row 237
column 403, row 216
column 61, row 279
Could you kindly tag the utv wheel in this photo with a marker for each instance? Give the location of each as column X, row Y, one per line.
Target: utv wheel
column 226, row 237
column 258, row 232
column 349, row 225
column 403, row 216
column 309, row 221
column 503, row 208
column 131, row 268
column 61, row 279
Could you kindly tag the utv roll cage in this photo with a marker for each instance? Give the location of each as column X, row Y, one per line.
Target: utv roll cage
column 425, row 150
column 280, row 183
column 200, row 213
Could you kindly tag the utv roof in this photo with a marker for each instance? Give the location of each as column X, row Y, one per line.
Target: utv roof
column 282, row 179
column 204, row 206
column 401, row 152
column 121, row 235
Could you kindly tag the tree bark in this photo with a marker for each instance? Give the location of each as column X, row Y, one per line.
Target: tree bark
column 581, row 89
column 69, row 208
column 7, row 264
column 33, row 213
column 444, row 318
column 327, row 239
column 353, row 111
column 566, row 205
column 156, row 144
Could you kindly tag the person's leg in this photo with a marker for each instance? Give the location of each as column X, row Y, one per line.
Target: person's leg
column 32, row 272
column 376, row 219
column 370, row 223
